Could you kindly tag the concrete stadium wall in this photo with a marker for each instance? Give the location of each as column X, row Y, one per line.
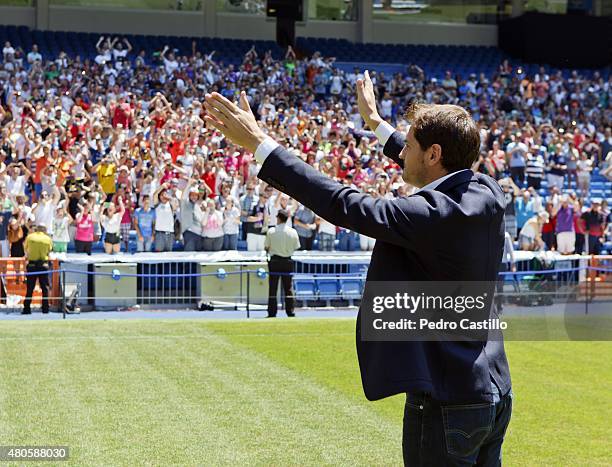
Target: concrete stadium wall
column 388, row 32
column 19, row 16
column 228, row 25
column 127, row 21
column 245, row 27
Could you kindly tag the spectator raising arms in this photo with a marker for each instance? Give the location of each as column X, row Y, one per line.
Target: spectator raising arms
column 111, row 222
column 128, row 128
column 144, row 221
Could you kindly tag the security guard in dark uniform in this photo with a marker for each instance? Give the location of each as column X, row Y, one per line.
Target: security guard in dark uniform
column 37, row 246
column 281, row 241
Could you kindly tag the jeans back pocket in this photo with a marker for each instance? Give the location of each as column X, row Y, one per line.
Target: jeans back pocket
column 466, row 427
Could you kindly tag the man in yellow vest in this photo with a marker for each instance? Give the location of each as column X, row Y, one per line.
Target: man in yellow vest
column 37, row 246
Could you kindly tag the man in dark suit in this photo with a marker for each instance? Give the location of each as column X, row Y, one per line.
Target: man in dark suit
column 459, row 397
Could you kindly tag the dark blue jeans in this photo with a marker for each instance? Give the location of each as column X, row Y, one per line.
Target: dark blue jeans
column 230, row 242
column 594, row 245
column 191, row 241
column 439, row 434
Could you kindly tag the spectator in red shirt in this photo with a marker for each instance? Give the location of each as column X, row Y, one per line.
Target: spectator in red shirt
column 177, row 146
column 122, row 114
column 548, row 229
column 210, row 178
column 126, row 219
column 595, row 226
column 579, row 227
column 345, row 163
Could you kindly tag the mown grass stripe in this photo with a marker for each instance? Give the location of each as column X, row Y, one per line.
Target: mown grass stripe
column 280, row 414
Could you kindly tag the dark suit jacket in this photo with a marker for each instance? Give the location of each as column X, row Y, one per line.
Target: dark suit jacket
column 454, row 232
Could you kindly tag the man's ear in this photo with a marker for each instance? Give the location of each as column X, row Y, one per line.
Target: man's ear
column 433, row 155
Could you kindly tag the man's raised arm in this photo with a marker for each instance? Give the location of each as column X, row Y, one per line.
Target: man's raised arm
column 392, row 221
column 393, row 141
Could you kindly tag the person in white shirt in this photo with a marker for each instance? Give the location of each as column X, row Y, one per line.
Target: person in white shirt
column 22, row 206
column 104, row 51
column 34, row 55
column 103, row 57
column 16, row 182
column 530, row 236
column 118, row 50
column 61, row 223
column 44, row 210
column 16, row 137
column 386, row 106
column 231, row 224
column 583, row 168
column 282, row 202
column 8, row 52
column 280, row 243
column 170, row 62
column 164, row 219
column 111, row 222
column 191, row 217
column 336, row 84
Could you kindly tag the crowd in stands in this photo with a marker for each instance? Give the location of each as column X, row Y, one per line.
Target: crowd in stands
column 99, row 149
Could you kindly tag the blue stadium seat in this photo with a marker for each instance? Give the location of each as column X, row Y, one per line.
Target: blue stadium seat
column 305, row 290
column 329, row 289
column 351, row 289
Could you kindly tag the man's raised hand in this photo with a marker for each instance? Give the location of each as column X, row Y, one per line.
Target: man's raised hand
column 366, row 101
column 236, row 123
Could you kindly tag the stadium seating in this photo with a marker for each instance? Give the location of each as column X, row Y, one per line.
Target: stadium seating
column 388, row 58
column 322, row 291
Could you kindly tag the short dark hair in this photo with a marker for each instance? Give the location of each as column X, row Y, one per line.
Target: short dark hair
column 282, row 216
column 451, row 127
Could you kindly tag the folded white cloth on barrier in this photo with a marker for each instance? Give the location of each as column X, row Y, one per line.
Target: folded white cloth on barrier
column 212, row 257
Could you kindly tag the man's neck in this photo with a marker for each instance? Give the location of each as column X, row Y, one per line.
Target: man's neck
column 434, row 177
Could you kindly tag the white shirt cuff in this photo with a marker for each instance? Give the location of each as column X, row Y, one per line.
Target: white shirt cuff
column 383, row 132
column 264, row 149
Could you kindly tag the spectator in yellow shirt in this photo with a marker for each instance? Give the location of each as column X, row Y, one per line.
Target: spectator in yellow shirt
column 106, row 170
column 37, row 247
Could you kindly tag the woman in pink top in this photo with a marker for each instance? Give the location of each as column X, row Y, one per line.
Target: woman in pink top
column 212, row 226
column 84, row 229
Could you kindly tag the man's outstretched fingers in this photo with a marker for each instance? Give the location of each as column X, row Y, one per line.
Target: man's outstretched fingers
column 217, row 113
column 212, row 102
column 224, row 103
column 244, row 102
column 217, row 124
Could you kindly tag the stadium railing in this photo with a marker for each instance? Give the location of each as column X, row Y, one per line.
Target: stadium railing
column 244, row 287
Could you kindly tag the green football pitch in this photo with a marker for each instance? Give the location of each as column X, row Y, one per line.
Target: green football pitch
column 259, row 392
